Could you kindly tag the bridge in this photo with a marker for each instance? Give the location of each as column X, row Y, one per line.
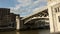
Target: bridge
column 36, row 19
column 40, row 16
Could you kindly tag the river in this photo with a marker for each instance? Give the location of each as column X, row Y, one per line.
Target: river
column 39, row 31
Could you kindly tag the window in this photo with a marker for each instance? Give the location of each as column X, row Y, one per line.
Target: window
column 57, row 9
column 59, row 18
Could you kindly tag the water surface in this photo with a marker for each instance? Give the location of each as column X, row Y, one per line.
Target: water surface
column 40, row 31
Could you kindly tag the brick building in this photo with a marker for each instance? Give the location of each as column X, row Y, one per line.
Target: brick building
column 7, row 18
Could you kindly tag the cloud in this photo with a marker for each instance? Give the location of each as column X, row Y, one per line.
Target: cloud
column 28, row 3
column 26, row 7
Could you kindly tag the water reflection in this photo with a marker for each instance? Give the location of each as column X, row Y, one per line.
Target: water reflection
column 29, row 32
column 17, row 32
column 8, row 32
column 44, row 31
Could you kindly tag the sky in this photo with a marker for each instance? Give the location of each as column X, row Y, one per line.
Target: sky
column 22, row 7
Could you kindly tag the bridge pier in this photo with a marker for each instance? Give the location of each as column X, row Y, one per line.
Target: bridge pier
column 17, row 23
column 54, row 15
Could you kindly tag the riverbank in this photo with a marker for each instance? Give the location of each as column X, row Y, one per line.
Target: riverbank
column 23, row 29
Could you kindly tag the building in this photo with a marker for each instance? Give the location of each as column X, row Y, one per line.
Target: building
column 3, row 13
column 54, row 15
column 10, row 19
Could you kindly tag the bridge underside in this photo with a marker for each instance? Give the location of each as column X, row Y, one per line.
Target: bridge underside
column 37, row 20
column 41, row 15
column 37, row 23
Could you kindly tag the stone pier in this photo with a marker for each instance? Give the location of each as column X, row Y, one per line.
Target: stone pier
column 17, row 23
column 54, row 15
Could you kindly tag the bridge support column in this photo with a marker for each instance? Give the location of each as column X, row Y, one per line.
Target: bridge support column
column 53, row 9
column 17, row 23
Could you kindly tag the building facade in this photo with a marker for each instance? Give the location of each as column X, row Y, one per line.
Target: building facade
column 54, row 15
column 3, row 13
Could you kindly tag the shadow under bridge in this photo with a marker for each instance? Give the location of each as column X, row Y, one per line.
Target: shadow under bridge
column 37, row 22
